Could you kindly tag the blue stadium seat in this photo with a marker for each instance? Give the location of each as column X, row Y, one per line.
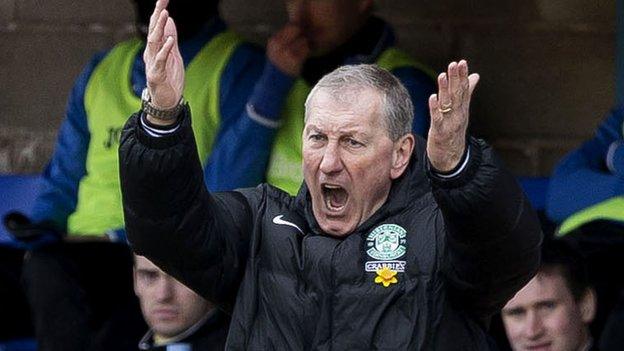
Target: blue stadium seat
column 19, row 345
column 535, row 188
column 17, row 193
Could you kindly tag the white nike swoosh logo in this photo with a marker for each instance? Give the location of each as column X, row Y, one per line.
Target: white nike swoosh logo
column 279, row 220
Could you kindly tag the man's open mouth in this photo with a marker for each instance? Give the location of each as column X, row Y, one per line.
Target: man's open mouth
column 335, row 197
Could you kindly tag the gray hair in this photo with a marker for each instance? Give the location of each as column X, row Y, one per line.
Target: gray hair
column 347, row 81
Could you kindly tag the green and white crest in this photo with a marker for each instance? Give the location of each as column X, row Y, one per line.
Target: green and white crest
column 386, row 242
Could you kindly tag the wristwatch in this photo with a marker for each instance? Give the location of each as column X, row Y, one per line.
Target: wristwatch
column 167, row 115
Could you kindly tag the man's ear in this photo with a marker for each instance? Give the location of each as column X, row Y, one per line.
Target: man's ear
column 587, row 305
column 401, row 154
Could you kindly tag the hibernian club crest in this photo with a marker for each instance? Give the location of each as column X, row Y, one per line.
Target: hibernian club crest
column 386, row 242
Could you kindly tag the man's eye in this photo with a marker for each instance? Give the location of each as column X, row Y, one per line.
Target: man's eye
column 316, row 137
column 354, row 143
column 148, row 276
column 549, row 305
column 513, row 313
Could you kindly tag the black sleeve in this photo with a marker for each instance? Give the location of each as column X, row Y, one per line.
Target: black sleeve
column 493, row 235
column 171, row 218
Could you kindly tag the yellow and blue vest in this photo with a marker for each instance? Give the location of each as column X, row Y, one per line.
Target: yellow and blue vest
column 110, row 100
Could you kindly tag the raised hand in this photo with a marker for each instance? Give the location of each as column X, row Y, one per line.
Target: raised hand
column 164, row 67
column 288, row 49
column 449, row 111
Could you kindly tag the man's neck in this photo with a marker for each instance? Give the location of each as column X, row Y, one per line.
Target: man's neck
column 160, row 340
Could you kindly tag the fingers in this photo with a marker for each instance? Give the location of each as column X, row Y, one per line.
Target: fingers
column 160, row 62
column 449, row 111
column 473, row 79
column 434, row 108
column 288, row 49
column 454, row 81
column 290, row 33
column 160, row 5
column 456, row 86
column 172, row 32
column 165, row 73
column 170, row 29
column 444, row 96
column 462, row 68
column 155, row 37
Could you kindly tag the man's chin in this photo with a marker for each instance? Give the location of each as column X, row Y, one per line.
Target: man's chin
column 335, row 227
column 168, row 330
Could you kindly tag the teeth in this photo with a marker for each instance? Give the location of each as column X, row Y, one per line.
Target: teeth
column 330, row 206
column 330, row 191
column 331, row 186
column 328, row 203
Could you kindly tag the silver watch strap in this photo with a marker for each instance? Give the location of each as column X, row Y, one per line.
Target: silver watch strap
column 167, row 115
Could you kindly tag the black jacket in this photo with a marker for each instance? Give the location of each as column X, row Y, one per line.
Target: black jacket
column 209, row 336
column 469, row 244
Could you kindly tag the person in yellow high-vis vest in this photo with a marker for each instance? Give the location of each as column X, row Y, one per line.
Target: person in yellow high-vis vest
column 320, row 36
column 78, row 285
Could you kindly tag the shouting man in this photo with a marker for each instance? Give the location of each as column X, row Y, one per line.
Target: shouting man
column 391, row 243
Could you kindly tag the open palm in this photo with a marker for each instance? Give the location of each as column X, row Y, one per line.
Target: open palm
column 164, row 67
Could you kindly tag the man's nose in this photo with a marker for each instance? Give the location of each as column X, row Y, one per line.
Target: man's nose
column 332, row 161
column 164, row 289
column 534, row 327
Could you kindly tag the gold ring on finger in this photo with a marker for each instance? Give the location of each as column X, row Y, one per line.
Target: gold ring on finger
column 445, row 108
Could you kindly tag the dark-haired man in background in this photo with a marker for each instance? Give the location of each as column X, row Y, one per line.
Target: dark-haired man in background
column 553, row 311
column 178, row 318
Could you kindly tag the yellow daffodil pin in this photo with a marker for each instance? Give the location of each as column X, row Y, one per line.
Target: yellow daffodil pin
column 386, row 276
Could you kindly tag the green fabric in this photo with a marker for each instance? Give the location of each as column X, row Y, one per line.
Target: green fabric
column 612, row 209
column 110, row 100
column 285, row 166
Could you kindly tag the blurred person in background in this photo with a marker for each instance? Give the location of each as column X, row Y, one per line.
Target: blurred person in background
column 320, row 36
column 178, row 318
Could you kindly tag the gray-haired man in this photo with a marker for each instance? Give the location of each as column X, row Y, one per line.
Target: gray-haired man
column 392, row 242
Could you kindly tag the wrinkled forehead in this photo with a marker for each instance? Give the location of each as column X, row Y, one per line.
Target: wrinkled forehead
column 341, row 100
column 543, row 287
